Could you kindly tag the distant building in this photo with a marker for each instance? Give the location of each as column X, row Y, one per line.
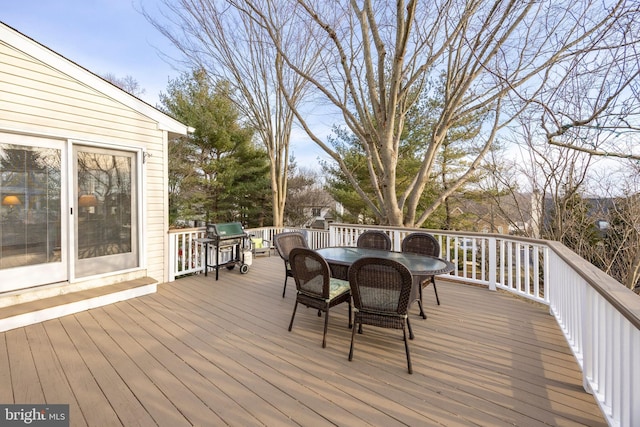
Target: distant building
column 322, row 216
column 510, row 214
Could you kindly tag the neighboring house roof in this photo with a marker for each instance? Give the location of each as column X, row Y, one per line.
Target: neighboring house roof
column 513, row 212
column 597, row 208
column 14, row 38
column 516, row 206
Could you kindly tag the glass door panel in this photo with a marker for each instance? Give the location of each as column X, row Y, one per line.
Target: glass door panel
column 31, row 226
column 106, row 211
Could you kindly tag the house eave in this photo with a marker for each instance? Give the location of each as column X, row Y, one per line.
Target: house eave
column 17, row 40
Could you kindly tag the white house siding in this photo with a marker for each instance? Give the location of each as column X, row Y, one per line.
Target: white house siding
column 39, row 99
column 157, row 220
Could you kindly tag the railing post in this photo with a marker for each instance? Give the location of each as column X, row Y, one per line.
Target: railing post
column 493, row 263
column 173, row 252
column 332, row 235
column 585, row 352
column 396, row 238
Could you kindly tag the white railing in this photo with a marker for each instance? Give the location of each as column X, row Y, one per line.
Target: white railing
column 600, row 320
column 598, row 316
column 315, row 238
column 187, row 255
column 497, row 261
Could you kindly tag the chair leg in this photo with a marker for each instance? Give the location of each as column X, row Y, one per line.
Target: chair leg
column 353, row 337
column 293, row 315
column 433, row 281
column 406, row 347
column 285, row 285
column 350, row 323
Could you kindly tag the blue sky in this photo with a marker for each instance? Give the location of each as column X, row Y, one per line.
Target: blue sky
column 112, row 36
column 104, row 36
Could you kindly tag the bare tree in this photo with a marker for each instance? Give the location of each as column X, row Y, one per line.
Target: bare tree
column 126, row 83
column 592, row 208
column 618, row 252
column 498, row 57
column 595, row 107
column 231, row 46
column 553, row 178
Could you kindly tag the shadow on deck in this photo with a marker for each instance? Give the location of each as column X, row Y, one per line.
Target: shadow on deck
column 201, row 352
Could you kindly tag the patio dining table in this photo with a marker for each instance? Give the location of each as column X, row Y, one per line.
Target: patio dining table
column 340, row 259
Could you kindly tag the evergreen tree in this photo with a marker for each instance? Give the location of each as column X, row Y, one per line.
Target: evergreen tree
column 450, row 163
column 213, row 168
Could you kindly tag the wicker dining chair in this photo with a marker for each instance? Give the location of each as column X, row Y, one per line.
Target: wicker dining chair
column 315, row 286
column 374, row 239
column 284, row 243
column 423, row 244
column 381, row 290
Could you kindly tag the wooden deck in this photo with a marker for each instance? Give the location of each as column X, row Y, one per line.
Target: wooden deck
column 207, row 353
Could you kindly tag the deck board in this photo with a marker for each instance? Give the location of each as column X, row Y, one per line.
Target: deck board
column 207, row 352
column 24, row 375
column 92, row 405
column 54, row 384
column 6, row 389
column 121, row 399
column 106, row 337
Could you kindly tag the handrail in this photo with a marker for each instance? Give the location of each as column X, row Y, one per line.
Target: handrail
column 599, row 317
column 611, row 290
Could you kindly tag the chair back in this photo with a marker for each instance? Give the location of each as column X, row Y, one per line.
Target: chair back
column 421, row 243
column 374, row 239
column 310, row 272
column 380, row 286
column 286, row 241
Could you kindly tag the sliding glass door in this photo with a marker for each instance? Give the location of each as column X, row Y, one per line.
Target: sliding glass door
column 32, row 200
column 51, row 232
column 106, row 216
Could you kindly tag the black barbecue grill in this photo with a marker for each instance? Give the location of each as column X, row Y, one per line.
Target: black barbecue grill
column 230, row 237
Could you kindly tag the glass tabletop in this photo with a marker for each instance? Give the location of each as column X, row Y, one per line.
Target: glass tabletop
column 417, row 264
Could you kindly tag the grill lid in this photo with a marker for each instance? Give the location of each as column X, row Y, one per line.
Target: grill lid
column 227, row 230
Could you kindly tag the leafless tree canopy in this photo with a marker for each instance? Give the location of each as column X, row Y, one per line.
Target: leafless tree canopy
column 230, row 45
column 127, row 83
column 573, row 62
column 572, row 65
column 589, row 203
